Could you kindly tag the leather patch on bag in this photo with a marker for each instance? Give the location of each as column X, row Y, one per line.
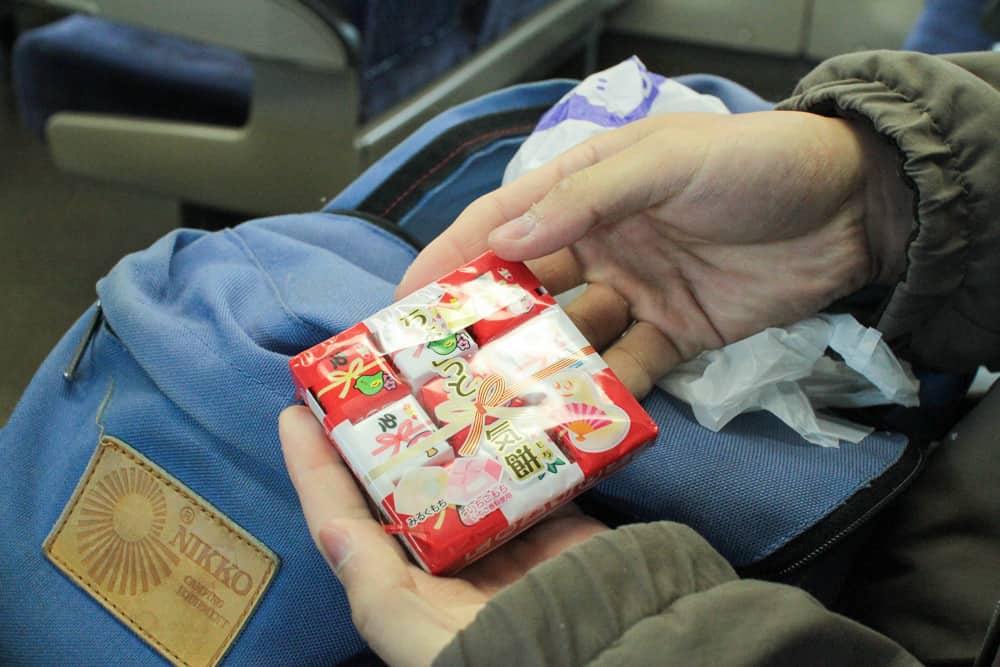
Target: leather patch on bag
column 165, row 562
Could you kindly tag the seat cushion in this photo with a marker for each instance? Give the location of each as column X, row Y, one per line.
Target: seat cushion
column 82, row 63
column 90, row 64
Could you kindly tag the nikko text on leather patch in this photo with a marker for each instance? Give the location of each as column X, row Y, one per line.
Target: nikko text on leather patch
column 165, row 562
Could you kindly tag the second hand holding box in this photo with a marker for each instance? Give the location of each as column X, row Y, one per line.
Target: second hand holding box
column 470, row 409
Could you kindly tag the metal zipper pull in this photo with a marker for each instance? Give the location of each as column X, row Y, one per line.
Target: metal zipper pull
column 70, row 373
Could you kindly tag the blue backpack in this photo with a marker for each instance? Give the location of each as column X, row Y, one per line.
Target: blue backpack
column 146, row 445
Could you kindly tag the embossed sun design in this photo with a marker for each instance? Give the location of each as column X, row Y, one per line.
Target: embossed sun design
column 118, row 532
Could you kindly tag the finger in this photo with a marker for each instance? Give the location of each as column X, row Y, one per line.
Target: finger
column 466, row 238
column 641, row 357
column 387, row 607
column 330, row 498
column 558, row 272
column 630, row 181
column 600, row 313
column 369, row 564
column 325, row 485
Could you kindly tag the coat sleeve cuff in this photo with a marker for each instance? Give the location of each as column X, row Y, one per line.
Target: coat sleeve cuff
column 658, row 594
column 570, row 609
column 942, row 118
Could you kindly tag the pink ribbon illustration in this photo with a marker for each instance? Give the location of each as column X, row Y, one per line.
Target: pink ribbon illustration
column 406, row 435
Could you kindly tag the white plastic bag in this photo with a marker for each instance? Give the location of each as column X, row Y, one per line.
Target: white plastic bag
column 786, row 372
column 601, row 102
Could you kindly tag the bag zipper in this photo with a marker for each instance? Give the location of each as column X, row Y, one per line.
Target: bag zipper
column 95, row 323
column 912, row 462
column 382, row 223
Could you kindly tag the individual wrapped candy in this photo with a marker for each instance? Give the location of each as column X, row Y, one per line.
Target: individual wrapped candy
column 495, row 302
column 458, row 386
column 434, row 530
column 347, row 378
column 538, row 344
column 525, row 452
column 493, row 498
column 385, row 445
column 420, row 363
column 410, row 322
column 470, row 476
column 586, row 421
column 536, row 470
column 421, row 491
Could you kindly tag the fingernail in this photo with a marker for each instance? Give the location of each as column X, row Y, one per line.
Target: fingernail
column 517, row 229
column 337, row 545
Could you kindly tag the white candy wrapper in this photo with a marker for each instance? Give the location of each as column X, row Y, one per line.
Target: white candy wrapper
column 535, row 469
column 536, row 344
column 387, row 433
column 785, row 372
column 410, row 321
column 416, row 364
column 603, row 101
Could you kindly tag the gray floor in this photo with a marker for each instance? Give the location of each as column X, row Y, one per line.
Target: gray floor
column 58, row 235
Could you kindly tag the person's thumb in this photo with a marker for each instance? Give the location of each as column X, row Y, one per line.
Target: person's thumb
column 628, row 182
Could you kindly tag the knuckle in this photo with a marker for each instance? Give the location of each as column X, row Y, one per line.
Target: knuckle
column 576, row 193
column 572, row 184
column 577, row 159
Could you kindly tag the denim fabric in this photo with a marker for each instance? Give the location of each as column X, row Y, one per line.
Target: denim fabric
column 195, row 379
column 949, row 26
column 748, row 489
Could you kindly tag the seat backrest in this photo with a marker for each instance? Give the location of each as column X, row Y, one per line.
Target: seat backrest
column 499, row 16
column 323, row 103
column 403, row 46
column 950, row 26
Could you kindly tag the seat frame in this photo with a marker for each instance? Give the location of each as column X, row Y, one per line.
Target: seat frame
column 302, row 141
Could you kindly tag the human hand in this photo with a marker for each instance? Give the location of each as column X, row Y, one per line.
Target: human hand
column 695, row 230
column 406, row 615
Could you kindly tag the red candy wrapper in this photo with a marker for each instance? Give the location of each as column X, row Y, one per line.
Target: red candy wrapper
column 345, row 377
column 508, row 412
column 494, row 302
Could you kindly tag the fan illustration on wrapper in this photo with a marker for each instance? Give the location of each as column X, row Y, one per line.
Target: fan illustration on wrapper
column 590, row 420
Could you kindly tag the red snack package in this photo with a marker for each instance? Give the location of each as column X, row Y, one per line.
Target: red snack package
column 522, row 420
